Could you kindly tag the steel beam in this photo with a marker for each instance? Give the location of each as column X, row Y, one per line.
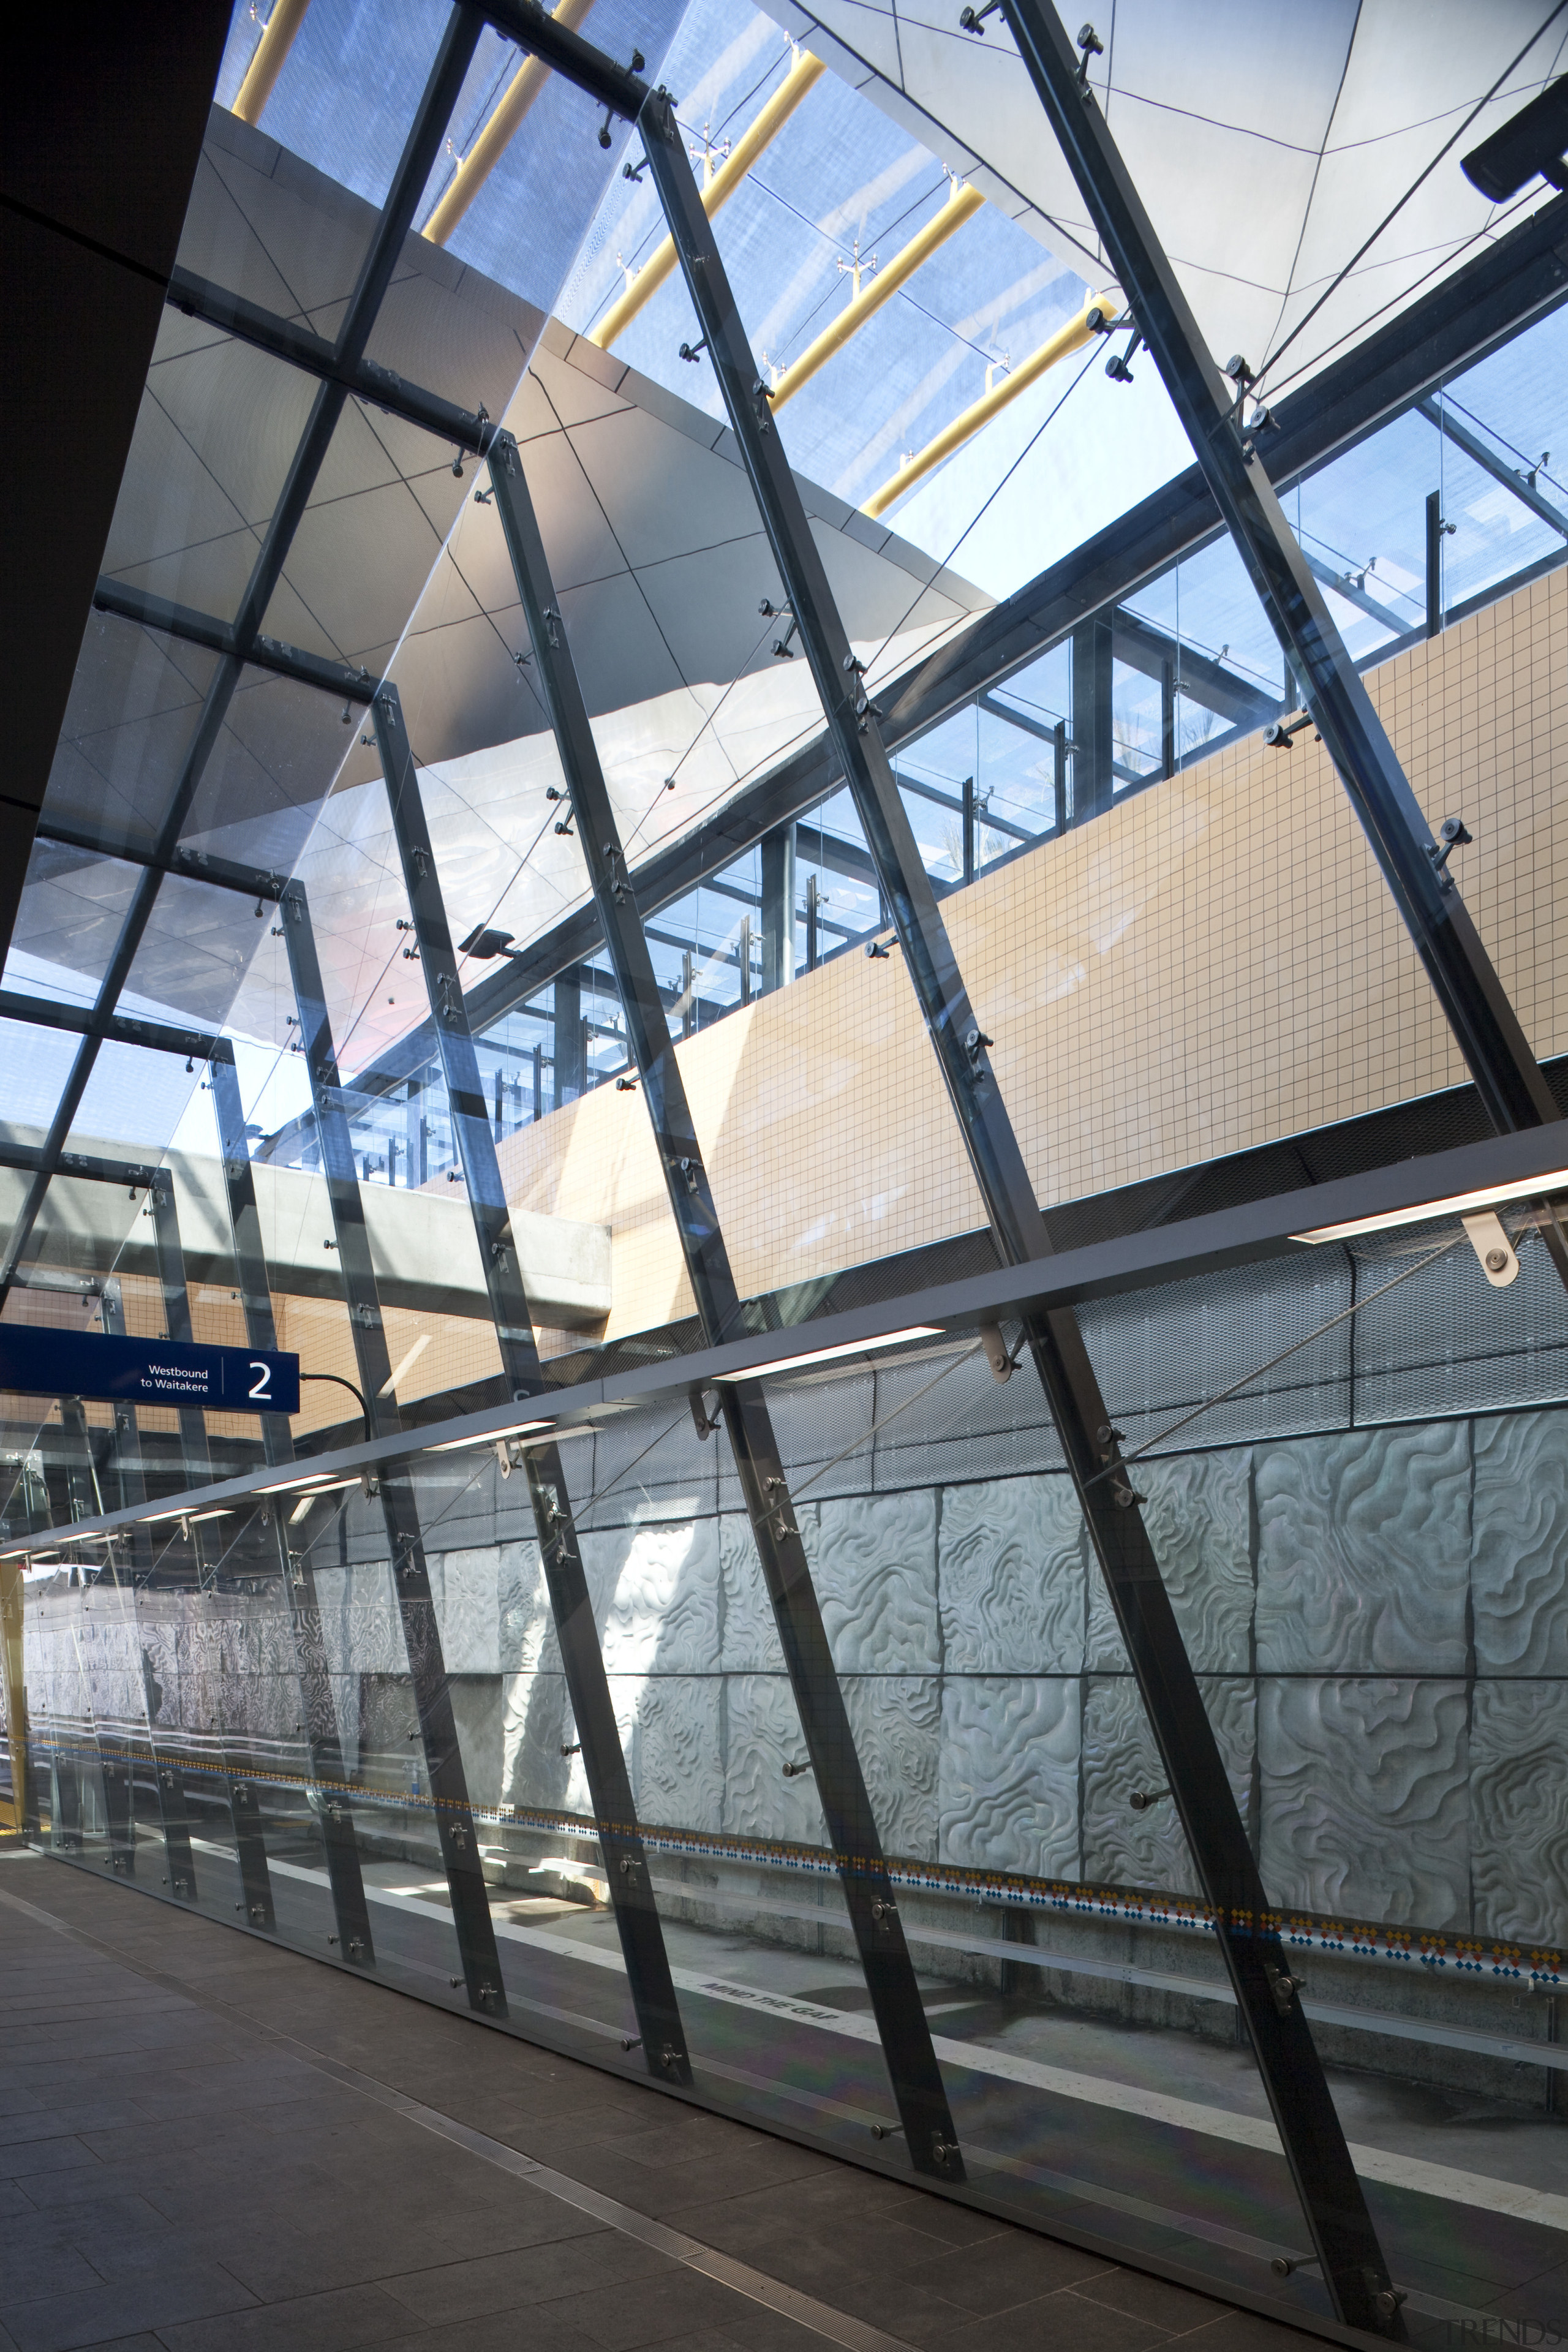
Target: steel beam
column 297, row 1569
column 221, row 637
column 430, row 1681
column 1315, row 2147
column 296, row 346
column 1474, row 1002
column 567, row 54
column 123, row 1028
column 649, row 1977
column 453, row 56
column 878, row 1929
column 1520, row 486
column 190, row 865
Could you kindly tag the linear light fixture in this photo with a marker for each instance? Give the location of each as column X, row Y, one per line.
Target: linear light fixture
column 195, row 1518
column 293, row 1485
column 1457, row 1204
column 830, row 1355
column 490, row 1437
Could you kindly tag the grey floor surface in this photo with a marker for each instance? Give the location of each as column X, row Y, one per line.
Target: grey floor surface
column 175, row 2174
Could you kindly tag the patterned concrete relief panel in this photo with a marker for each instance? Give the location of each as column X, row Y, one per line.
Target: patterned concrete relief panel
column 1365, row 1802
column 763, row 1736
column 157, row 1630
column 1519, row 1810
column 1199, row 1517
column 873, row 1561
column 749, row 1637
column 465, row 1585
column 1363, row 1552
column 894, row 1721
column 522, row 1607
column 659, row 1613
column 678, row 1776
column 1007, row 1781
column 477, row 1709
column 1121, row 1846
column 534, row 1729
column 1011, row 1577
column 360, row 1622
column 1519, row 1575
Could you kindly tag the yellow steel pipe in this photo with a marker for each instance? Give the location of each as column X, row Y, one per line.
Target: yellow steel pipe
column 266, row 60
column 802, row 75
column 475, row 168
column 963, row 203
column 1059, row 346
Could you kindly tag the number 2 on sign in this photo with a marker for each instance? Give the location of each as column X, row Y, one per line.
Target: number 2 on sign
column 262, row 1386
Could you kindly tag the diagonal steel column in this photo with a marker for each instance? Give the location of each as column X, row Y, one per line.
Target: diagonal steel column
column 648, row 1977
column 1333, row 2207
column 878, row 1933
column 244, row 1811
column 168, row 1774
column 411, row 1576
column 340, row 1844
column 1486, row 1027
column 420, row 149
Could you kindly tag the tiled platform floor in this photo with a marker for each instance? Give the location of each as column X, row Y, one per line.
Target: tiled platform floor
column 174, row 2173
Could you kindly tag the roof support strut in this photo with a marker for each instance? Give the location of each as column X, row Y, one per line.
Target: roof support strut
column 431, row 1683
column 1474, row 1001
column 1333, row 2206
column 874, row 1919
column 632, row 1898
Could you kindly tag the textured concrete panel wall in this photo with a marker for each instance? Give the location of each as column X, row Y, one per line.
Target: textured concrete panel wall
column 1379, row 1622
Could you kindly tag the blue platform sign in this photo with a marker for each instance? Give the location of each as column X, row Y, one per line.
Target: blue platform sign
column 177, row 1373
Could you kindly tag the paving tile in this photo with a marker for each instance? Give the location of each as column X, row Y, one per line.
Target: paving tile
column 31, row 2159
column 652, row 2311
column 1175, row 2308
column 1000, row 2271
column 1055, row 2320
column 539, row 2274
column 60, row 2323
column 317, row 2323
column 29, row 2271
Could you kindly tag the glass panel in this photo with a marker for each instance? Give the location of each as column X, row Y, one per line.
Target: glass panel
column 69, row 924
column 197, row 495
column 134, row 702
column 37, row 1064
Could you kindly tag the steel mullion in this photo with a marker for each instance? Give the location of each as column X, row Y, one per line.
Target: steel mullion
column 251, row 1846
column 428, row 1677
column 878, row 1929
column 73, row 1419
column 297, row 1569
column 637, row 1922
column 168, row 1773
column 1486, row 1027
column 439, row 96
column 1313, row 2141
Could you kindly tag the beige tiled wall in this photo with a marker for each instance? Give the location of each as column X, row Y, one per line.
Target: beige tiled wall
column 1213, row 964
